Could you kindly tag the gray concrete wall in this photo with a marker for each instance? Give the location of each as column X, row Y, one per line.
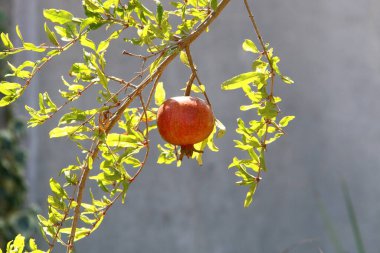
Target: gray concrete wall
column 331, row 49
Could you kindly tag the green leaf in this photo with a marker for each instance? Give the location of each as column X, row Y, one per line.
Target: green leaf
column 274, row 138
column 167, row 155
column 249, row 197
column 51, row 36
column 198, row 3
column 56, row 188
column 198, row 156
column 30, row 46
column 262, row 159
column 90, row 163
column 249, row 46
column 287, row 80
column 160, row 12
column 241, row 80
column 184, row 59
column 160, row 94
column 122, row 141
column 103, row 45
column 156, row 64
column 93, row 6
column 19, row 33
column 221, row 129
column 103, row 79
column 67, row 32
column 58, row 16
column 79, row 233
column 132, row 161
column 214, row 4
column 285, row 120
column 269, row 110
column 111, row 4
column 18, row 244
column 249, row 107
column 259, row 66
column 242, row 146
column 6, row 41
column 12, row 92
column 87, row 22
column 196, row 88
column 66, row 131
column 84, row 41
column 275, row 60
column 9, row 88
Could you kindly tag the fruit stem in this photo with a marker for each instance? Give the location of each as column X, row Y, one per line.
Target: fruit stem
column 189, row 84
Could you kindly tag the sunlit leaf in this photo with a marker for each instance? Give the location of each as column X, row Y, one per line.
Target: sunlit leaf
column 249, row 198
column 285, row 120
column 58, row 16
column 249, row 46
column 240, row 80
column 160, row 94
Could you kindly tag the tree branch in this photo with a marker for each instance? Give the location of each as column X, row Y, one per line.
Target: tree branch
column 181, row 44
column 272, row 72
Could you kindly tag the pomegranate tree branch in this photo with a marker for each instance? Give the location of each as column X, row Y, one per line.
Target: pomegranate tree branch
column 49, row 58
column 181, row 44
column 265, row 51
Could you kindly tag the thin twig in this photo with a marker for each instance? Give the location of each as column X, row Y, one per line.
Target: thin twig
column 189, row 84
column 71, row 100
column 272, row 72
column 194, row 70
column 146, row 144
column 150, row 97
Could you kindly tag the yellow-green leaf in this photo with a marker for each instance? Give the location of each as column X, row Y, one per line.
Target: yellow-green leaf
column 249, row 197
column 58, row 16
column 184, row 59
column 241, row 80
column 121, row 140
column 285, row 120
column 51, row 36
column 160, row 94
column 249, row 46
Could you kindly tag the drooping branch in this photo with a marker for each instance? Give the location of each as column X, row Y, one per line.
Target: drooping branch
column 181, row 44
column 272, row 77
column 265, row 51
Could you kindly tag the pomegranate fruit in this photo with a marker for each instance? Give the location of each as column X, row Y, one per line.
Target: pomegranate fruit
column 184, row 121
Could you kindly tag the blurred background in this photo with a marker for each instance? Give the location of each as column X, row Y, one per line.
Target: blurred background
column 330, row 49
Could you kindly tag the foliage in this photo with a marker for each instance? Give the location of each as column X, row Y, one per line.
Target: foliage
column 18, row 246
column 113, row 138
column 257, row 134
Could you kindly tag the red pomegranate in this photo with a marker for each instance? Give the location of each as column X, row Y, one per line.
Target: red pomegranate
column 184, row 121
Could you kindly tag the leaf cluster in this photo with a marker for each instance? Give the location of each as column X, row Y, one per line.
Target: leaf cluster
column 257, row 134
